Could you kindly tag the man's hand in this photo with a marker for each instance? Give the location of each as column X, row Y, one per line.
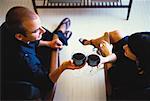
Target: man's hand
column 69, row 65
column 55, row 43
column 65, row 65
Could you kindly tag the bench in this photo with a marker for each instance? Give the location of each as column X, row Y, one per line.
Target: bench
column 40, row 4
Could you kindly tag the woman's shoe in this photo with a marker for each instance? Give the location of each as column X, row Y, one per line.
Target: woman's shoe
column 96, row 42
column 87, row 42
column 84, row 41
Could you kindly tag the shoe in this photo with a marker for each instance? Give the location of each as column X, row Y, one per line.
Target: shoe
column 86, row 42
column 83, row 41
column 96, row 42
column 63, row 37
column 65, row 21
column 68, row 34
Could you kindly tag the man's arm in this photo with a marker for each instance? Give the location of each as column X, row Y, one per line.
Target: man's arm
column 55, row 43
column 54, row 75
column 55, row 71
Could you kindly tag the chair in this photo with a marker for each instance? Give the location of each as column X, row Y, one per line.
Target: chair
column 21, row 90
column 14, row 90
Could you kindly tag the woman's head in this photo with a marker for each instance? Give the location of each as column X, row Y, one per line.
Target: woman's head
column 139, row 43
column 139, row 47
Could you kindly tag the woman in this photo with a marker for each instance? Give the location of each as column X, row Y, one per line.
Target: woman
column 128, row 64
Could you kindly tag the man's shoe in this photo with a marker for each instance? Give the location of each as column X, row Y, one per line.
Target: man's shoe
column 66, row 22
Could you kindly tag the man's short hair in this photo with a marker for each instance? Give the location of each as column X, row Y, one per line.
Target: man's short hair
column 16, row 16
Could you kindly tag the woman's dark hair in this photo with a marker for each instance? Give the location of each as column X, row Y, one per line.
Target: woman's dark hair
column 139, row 43
column 15, row 17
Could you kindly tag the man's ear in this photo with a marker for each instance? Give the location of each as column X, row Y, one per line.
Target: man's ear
column 18, row 36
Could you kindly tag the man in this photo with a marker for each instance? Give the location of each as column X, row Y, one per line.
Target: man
column 22, row 66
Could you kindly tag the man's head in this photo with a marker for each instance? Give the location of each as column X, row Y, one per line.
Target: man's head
column 24, row 24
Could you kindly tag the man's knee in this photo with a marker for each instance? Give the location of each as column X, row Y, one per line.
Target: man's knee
column 47, row 35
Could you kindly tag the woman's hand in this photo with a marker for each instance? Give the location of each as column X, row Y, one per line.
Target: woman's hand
column 105, row 48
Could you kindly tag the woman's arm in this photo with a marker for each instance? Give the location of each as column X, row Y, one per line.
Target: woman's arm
column 108, row 57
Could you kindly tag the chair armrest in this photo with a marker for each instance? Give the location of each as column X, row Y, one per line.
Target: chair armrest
column 22, row 90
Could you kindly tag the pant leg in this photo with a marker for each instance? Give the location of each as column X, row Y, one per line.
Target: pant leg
column 44, row 52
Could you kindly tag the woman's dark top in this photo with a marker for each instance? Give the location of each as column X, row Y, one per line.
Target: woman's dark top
column 124, row 76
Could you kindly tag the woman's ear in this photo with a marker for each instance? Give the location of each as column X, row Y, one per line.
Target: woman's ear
column 18, row 36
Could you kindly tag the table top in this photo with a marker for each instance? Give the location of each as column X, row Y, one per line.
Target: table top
column 85, row 84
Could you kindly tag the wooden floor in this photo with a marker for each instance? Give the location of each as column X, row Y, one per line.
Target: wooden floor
column 94, row 21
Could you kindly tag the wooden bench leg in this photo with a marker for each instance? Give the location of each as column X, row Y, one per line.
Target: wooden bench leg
column 34, row 6
column 129, row 9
